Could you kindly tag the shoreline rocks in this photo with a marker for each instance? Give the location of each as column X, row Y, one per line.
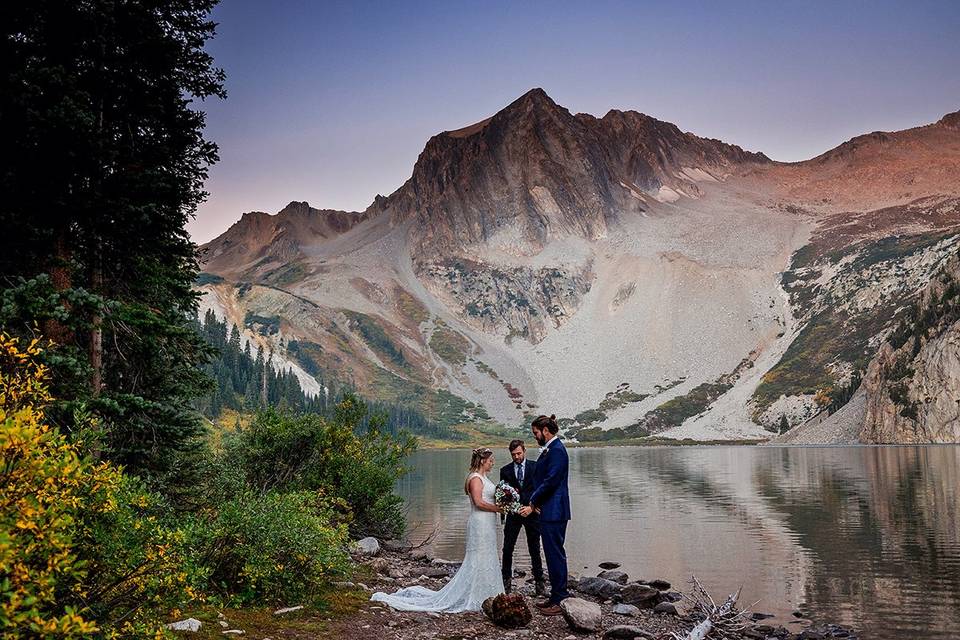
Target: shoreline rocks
column 582, row 615
column 608, row 606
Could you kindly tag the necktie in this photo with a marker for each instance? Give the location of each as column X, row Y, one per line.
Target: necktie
column 520, row 474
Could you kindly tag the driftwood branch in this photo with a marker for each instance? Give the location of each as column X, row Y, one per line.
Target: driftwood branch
column 721, row 621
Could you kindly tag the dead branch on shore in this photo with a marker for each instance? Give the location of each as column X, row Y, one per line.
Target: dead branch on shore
column 724, row 621
column 430, row 538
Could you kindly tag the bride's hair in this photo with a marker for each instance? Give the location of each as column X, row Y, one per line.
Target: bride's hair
column 476, row 462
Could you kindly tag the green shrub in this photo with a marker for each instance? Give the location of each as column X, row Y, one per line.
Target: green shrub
column 275, row 547
column 280, row 451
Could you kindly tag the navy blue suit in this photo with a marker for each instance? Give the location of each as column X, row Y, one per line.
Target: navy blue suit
column 553, row 499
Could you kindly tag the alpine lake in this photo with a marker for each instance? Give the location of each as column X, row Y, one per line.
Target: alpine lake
column 863, row 536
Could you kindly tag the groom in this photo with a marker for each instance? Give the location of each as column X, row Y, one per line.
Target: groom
column 519, row 474
column 551, row 501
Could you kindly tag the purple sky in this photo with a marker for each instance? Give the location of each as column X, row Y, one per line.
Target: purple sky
column 331, row 102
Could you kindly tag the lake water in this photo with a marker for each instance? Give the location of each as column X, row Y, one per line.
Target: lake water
column 867, row 537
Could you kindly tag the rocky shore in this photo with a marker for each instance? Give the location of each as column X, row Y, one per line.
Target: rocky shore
column 608, row 605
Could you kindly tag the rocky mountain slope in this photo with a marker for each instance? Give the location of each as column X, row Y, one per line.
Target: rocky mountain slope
column 912, row 386
column 616, row 271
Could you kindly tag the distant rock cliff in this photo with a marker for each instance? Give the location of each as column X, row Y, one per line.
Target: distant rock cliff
column 913, row 384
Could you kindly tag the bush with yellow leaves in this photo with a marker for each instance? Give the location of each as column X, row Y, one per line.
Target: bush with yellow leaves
column 81, row 554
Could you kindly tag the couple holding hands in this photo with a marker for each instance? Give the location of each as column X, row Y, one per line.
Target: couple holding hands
column 542, row 486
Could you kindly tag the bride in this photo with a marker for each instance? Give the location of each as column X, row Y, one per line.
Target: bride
column 479, row 575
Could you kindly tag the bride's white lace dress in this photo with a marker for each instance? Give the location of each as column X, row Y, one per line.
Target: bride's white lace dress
column 478, row 577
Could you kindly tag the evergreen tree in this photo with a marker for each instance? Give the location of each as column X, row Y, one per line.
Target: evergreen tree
column 784, row 425
column 103, row 164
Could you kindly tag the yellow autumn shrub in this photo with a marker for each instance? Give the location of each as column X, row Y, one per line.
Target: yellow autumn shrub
column 80, row 555
column 41, row 483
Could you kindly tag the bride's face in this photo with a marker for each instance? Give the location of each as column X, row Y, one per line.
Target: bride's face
column 487, row 465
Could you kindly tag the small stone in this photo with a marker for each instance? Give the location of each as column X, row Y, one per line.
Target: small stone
column 665, row 607
column 396, row 546
column 224, row 624
column 344, row 585
column 626, row 632
column 659, row 585
column 625, row 610
column 368, row 546
column 436, row 572
column 614, row 576
column 220, row 616
column 641, row 595
column 609, row 565
column 598, row 587
column 420, row 554
column 582, row 615
column 190, row 624
column 280, row 612
column 380, row 565
column 396, row 572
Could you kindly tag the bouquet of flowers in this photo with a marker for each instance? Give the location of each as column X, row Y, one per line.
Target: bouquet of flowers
column 507, row 498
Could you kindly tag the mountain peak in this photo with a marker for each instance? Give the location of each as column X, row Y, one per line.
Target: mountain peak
column 951, row 120
column 535, row 100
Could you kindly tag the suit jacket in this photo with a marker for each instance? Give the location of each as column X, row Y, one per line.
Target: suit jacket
column 550, row 480
column 508, row 473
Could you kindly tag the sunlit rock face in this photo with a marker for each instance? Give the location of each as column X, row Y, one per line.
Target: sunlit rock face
column 616, row 270
column 913, row 389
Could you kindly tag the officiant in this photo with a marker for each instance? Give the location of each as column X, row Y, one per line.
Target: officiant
column 519, row 475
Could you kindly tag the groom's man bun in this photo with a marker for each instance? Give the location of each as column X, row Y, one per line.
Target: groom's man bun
column 547, row 422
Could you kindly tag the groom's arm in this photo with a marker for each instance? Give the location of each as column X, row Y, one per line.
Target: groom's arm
column 550, row 482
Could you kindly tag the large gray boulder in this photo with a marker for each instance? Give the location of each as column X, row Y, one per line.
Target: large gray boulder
column 598, row 587
column 582, row 615
column 366, row 547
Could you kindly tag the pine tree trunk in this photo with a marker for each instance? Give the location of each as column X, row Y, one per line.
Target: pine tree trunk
column 59, row 270
column 96, row 334
column 263, row 386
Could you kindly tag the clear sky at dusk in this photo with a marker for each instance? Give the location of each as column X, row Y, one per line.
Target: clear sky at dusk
column 331, row 102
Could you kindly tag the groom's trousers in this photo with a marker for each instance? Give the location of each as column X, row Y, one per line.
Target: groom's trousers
column 553, row 535
column 511, row 531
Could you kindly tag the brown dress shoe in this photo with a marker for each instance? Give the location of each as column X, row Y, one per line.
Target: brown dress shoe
column 543, row 605
column 552, row 610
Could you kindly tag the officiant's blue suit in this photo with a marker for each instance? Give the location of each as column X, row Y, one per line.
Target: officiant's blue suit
column 553, row 500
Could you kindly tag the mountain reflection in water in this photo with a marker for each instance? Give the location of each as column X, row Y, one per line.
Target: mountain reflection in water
column 863, row 536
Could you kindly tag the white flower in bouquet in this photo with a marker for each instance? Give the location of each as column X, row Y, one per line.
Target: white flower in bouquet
column 507, row 498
